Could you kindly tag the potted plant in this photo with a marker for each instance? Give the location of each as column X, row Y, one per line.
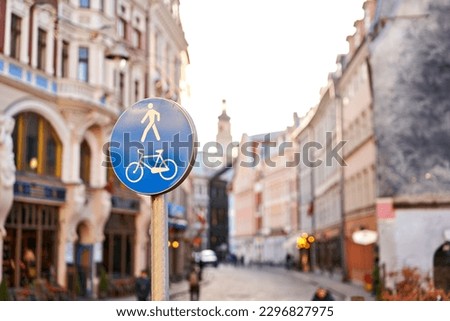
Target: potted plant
column 4, row 294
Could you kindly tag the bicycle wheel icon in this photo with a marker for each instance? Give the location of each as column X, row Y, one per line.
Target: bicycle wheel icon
column 134, row 172
column 171, row 171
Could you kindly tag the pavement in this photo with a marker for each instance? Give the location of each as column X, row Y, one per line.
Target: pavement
column 341, row 291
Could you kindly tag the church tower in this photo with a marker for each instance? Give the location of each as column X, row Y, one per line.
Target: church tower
column 223, row 137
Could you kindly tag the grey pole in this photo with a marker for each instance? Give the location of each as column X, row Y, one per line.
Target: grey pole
column 159, row 250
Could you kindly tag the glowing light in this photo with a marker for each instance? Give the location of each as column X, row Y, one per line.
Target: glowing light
column 33, row 163
column 175, row 244
column 301, row 241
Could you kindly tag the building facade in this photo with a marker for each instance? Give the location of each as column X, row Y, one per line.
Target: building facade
column 209, row 224
column 278, row 198
column 248, row 216
column 411, row 109
column 264, row 188
column 355, row 107
column 67, row 70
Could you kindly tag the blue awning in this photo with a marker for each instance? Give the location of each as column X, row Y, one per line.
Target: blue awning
column 175, row 210
column 178, row 224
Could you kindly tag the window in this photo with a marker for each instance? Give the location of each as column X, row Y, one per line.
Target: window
column 137, row 38
column 175, row 10
column 37, row 147
column 42, row 49
column 158, row 49
column 214, row 218
column 122, row 28
column 176, row 69
column 118, row 245
column 167, row 60
column 83, row 64
column 30, row 248
column 65, row 60
column 16, row 33
column 136, row 90
column 121, row 87
column 85, row 3
column 101, row 5
column 85, row 162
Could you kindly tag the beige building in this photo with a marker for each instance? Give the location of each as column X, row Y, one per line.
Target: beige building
column 337, row 200
column 354, row 90
column 279, row 195
column 265, row 193
column 319, row 176
column 67, row 70
column 247, row 210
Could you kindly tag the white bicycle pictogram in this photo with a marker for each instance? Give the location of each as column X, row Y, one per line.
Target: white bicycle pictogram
column 166, row 168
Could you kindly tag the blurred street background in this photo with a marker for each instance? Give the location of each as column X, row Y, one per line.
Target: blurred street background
column 347, row 188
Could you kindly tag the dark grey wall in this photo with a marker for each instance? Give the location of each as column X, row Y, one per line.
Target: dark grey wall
column 410, row 60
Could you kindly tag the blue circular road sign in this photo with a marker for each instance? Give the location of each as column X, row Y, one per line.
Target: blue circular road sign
column 152, row 146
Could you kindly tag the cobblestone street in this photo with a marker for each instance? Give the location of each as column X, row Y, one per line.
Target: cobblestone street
column 264, row 284
column 227, row 283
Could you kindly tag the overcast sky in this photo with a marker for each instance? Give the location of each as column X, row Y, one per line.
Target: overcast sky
column 267, row 58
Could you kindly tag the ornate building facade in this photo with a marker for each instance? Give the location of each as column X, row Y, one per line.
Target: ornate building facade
column 67, row 70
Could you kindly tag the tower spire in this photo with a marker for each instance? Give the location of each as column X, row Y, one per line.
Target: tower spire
column 223, row 137
column 224, row 115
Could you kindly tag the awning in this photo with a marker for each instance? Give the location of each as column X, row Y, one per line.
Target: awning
column 175, row 210
column 178, row 223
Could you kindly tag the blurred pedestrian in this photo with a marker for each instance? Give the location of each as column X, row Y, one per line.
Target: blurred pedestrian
column 234, row 259
column 288, row 261
column 194, row 284
column 322, row 294
column 29, row 264
column 142, row 286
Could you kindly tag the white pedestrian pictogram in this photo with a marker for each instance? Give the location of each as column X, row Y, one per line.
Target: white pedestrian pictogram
column 151, row 114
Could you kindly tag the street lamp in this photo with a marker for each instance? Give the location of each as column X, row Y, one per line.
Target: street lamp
column 119, row 54
column 304, row 244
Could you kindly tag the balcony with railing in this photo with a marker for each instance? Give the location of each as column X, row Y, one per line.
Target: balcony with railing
column 60, row 87
column 23, row 73
column 78, row 90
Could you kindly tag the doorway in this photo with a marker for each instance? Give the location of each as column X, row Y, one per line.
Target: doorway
column 441, row 264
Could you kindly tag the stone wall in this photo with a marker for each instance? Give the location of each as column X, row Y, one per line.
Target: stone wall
column 411, row 77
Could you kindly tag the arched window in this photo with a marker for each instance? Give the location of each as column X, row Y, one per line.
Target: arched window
column 441, row 262
column 111, row 178
column 37, row 147
column 85, row 162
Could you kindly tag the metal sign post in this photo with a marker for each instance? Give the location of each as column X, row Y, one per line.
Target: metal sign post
column 152, row 151
column 159, row 251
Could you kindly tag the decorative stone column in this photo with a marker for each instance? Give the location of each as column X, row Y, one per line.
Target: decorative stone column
column 99, row 209
column 70, row 215
column 7, row 176
column 100, row 206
